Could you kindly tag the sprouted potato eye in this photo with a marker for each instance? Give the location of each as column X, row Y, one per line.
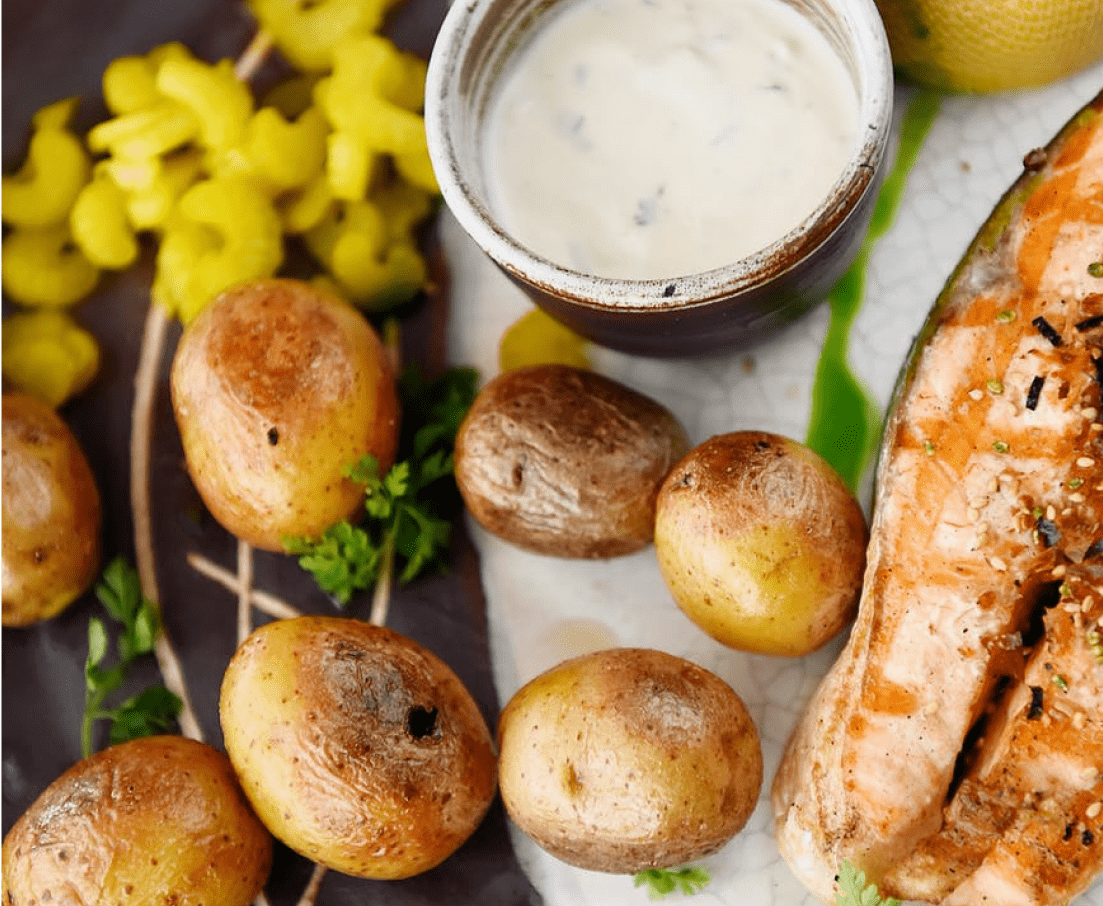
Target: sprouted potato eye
column 48, row 355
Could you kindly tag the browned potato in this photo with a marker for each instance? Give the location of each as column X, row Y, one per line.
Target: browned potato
column 628, row 759
column 52, row 515
column 761, row 543
column 358, row 747
column 563, row 461
column 152, row 821
column 277, row 387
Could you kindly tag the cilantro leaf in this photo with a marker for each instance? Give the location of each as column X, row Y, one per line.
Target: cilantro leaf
column 409, row 510
column 154, row 709
column 853, row 890
column 664, row 881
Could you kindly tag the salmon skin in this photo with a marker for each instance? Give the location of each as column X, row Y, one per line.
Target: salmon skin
column 954, row 751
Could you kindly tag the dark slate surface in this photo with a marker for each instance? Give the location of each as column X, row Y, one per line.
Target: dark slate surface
column 55, row 48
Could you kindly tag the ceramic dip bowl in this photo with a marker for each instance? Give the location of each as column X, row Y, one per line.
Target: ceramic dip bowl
column 737, row 281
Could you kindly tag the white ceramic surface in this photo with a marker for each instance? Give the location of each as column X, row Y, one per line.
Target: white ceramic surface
column 543, row 610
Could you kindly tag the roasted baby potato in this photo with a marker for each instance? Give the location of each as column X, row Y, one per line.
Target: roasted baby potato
column 156, row 820
column 358, row 747
column 566, row 462
column 51, row 513
column 277, row 387
column 761, row 543
column 628, row 759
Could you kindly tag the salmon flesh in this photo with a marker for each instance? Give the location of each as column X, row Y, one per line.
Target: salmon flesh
column 954, row 752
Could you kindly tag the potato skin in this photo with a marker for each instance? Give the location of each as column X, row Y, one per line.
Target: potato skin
column 761, row 543
column 627, row 759
column 566, row 462
column 358, row 747
column 52, row 516
column 153, row 821
column 277, row 387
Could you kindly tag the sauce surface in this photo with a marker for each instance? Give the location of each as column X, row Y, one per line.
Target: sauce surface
column 646, row 139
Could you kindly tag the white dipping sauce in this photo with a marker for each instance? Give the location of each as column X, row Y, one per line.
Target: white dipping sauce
column 646, row 139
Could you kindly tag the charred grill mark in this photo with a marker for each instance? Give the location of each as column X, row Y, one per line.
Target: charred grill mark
column 970, row 745
column 1089, row 323
column 1036, row 702
column 1034, row 626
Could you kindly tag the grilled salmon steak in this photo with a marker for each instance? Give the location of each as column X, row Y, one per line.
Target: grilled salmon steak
column 954, row 752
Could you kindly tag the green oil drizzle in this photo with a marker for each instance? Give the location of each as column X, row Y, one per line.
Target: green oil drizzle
column 845, row 423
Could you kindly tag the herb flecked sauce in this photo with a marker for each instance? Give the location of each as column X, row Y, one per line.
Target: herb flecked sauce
column 647, row 139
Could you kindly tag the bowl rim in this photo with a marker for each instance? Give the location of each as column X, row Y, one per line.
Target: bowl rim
column 863, row 30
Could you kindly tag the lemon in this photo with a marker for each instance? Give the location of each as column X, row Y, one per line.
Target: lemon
column 992, row 45
column 538, row 339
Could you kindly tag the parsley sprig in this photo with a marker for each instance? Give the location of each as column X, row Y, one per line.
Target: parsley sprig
column 664, row 881
column 854, row 891
column 150, row 711
column 409, row 510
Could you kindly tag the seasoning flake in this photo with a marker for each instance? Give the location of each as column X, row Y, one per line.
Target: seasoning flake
column 1048, row 532
column 1047, row 330
column 1035, row 392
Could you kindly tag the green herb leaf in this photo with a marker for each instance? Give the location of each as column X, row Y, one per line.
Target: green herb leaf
column 153, row 710
column 664, row 881
column 97, row 644
column 150, row 711
column 410, row 509
column 853, row 890
column 344, row 560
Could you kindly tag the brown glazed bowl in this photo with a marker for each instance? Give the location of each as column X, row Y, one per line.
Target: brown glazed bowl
column 727, row 307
